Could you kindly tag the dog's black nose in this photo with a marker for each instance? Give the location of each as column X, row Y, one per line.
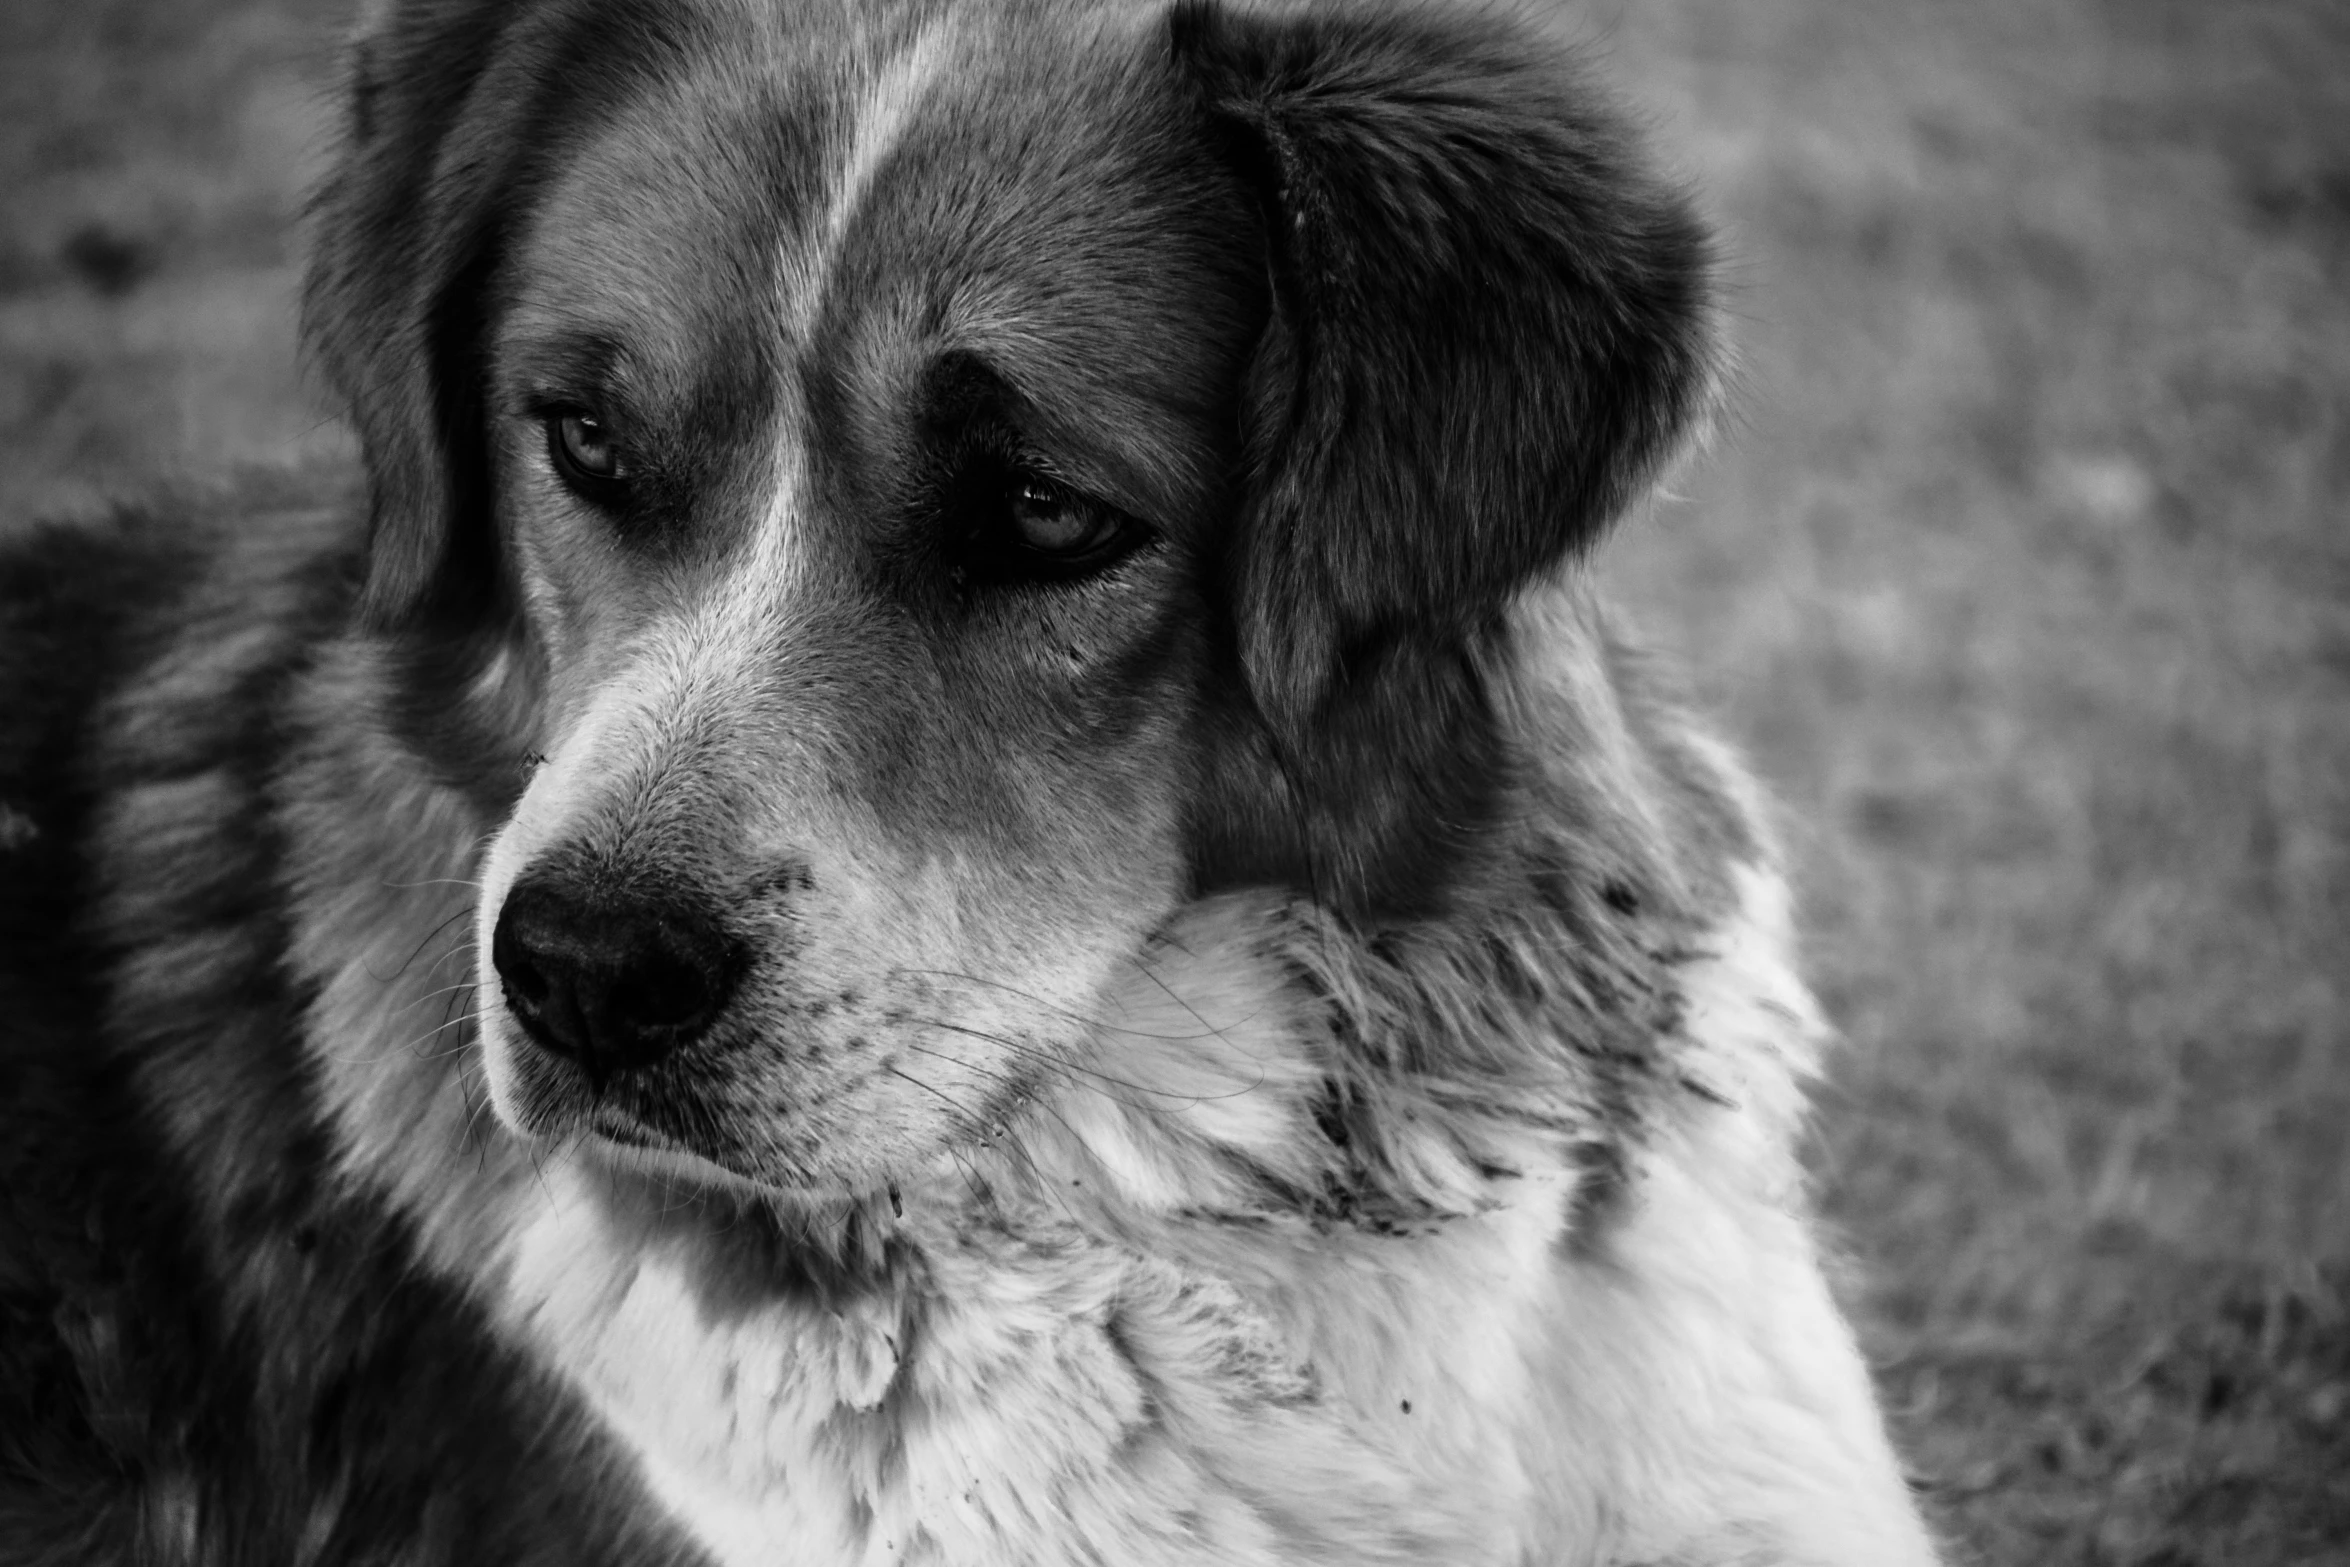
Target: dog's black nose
column 610, row 984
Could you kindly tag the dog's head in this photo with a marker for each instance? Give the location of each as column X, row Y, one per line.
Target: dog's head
column 889, row 504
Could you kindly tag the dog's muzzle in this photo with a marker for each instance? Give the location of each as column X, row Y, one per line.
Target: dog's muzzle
column 610, row 983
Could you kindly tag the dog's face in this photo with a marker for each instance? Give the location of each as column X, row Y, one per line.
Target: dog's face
column 857, row 463
column 929, row 495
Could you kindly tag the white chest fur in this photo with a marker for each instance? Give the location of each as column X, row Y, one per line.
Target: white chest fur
column 734, row 1416
column 1048, row 1400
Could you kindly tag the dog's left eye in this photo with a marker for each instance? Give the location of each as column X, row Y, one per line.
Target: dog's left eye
column 583, row 451
column 1034, row 528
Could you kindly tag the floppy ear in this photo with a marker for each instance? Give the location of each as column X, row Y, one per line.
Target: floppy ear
column 456, row 105
column 403, row 246
column 1489, row 327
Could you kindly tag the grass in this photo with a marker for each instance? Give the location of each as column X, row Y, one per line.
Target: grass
column 2023, row 568
column 153, row 154
column 2024, row 574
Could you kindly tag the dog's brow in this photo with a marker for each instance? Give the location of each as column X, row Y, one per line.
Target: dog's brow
column 568, row 363
column 963, row 386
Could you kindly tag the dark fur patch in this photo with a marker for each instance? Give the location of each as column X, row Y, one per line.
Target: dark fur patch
column 211, row 1352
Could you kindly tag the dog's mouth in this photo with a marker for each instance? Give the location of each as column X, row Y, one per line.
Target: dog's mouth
column 618, row 1126
column 629, row 1144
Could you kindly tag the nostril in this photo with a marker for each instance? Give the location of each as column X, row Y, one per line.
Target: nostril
column 521, row 977
column 528, row 948
column 514, row 954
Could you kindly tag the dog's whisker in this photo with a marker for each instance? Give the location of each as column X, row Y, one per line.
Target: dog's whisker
column 975, row 1185
column 967, row 1116
column 380, row 1053
column 464, row 950
column 998, row 1135
column 1180, row 1099
column 434, row 994
column 1089, row 1021
column 1008, row 1143
column 473, row 1075
column 459, row 1010
column 1056, row 1063
column 969, row 1176
column 414, row 1047
column 385, row 979
column 1018, row 1087
column 1141, row 964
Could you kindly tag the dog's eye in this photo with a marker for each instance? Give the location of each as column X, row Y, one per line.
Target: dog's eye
column 583, row 451
column 1034, row 528
column 1045, row 517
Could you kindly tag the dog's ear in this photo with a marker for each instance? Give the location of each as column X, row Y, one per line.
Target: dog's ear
column 403, row 244
column 1489, row 327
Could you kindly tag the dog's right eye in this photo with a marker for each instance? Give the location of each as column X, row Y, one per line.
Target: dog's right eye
column 584, row 453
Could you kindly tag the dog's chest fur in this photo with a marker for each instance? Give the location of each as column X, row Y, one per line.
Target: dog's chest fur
column 1051, row 1399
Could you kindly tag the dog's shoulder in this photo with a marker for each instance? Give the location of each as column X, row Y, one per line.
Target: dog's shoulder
column 86, row 1215
column 72, row 597
column 92, row 609
column 98, row 1341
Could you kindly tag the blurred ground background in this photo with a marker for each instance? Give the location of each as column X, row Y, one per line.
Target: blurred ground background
column 2024, row 569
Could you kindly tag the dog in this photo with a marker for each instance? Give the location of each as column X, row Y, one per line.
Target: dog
column 946, row 860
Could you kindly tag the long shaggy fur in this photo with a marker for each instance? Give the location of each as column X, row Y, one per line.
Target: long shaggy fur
column 1277, row 1042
